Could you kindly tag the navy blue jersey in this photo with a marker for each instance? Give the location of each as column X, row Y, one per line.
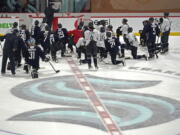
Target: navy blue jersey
column 62, row 34
column 151, row 30
column 34, row 54
column 36, row 34
column 11, row 43
column 112, row 44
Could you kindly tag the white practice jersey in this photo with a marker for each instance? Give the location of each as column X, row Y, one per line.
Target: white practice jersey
column 166, row 25
column 23, row 34
column 46, row 33
column 102, row 37
column 43, row 26
column 91, row 35
column 124, row 29
column 32, row 30
column 52, row 40
column 81, row 42
column 132, row 39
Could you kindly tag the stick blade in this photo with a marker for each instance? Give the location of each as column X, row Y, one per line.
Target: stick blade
column 57, row 71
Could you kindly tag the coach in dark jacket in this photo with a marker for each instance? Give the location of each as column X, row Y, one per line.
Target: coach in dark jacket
column 49, row 15
column 10, row 46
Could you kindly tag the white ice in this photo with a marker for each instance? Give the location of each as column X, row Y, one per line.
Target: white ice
column 11, row 105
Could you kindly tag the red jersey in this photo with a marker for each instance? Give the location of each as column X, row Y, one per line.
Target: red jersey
column 76, row 33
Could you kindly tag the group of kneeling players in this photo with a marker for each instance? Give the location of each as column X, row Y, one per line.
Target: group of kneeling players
column 94, row 41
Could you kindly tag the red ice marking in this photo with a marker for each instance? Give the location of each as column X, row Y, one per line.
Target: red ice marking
column 104, row 114
column 98, row 106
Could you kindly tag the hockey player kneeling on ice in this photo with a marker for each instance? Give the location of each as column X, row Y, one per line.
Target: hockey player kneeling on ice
column 112, row 45
column 133, row 44
column 91, row 37
column 32, row 57
column 81, row 49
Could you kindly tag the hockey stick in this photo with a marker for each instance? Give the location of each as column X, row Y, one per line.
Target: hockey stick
column 57, row 71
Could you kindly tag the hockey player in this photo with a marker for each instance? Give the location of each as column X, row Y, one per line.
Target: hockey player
column 165, row 29
column 151, row 30
column 10, row 46
column 143, row 37
column 124, row 29
column 24, row 33
column 43, row 24
column 76, row 34
column 33, row 56
column 15, row 26
column 112, row 45
column 110, row 29
column 21, row 47
column 81, row 46
column 62, row 35
column 46, row 40
column 133, row 44
column 91, row 38
column 101, row 44
column 36, row 32
column 54, row 46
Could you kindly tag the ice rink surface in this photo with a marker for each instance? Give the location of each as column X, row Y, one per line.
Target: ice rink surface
column 143, row 98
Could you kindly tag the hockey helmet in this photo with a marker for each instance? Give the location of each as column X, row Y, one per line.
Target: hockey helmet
column 15, row 24
column 161, row 20
column 36, row 22
column 151, row 19
column 110, row 27
column 31, row 42
column 23, row 26
column 91, row 25
column 103, row 22
column 166, row 14
column 130, row 29
column 108, row 34
column 124, row 21
column 59, row 25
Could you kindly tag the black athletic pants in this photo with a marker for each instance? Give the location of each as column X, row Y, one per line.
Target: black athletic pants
column 164, row 41
column 4, row 62
column 91, row 51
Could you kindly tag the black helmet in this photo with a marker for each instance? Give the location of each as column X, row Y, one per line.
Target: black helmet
column 161, row 20
column 91, row 25
column 15, row 24
column 130, row 29
column 36, row 22
column 103, row 22
column 108, row 34
column 124, row 20
column 23, row 26
column 166, row 14
column 151, row 19
column 110, row 27
column 60, row 25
